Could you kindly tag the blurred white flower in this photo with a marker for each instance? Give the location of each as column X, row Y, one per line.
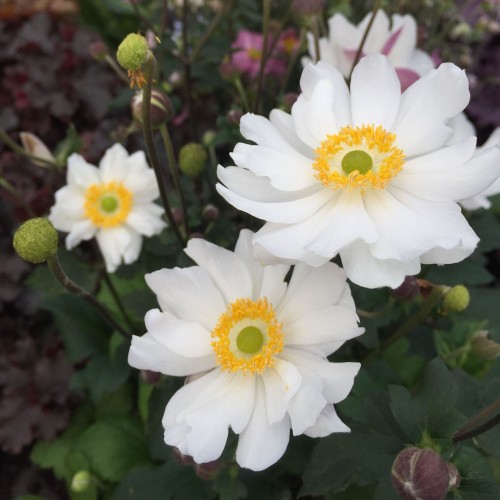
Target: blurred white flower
column 462, row 128
column 397, row 40
column 254, row 347
column 365, row 174
column 113, row 203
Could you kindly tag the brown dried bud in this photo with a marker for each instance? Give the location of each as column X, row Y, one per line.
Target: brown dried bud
column 420, row 473
column 150, row 377
column 180, row 458
column 408, row 290
column 234, row 116
column 454, row 478
column 483, row 347
column 208, row 470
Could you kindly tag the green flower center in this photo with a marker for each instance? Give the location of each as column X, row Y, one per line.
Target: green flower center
column 109, row 204
column 357, row 160
column 249, row 340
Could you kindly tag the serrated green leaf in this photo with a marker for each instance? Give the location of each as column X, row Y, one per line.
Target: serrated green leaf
column 430, row 413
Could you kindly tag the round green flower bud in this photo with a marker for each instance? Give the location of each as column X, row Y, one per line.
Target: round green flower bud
column 192, row 159
column 456, row 299
column 133, row 52
column 81, row 481
column 36, row 240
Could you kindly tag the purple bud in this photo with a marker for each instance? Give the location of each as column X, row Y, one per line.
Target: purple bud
column 408, row 290
column 420, row 473
column 180, row 458
column 160, row 109
column 210, row 212
column 208, row 470
column 234, row 116
column 150, row 377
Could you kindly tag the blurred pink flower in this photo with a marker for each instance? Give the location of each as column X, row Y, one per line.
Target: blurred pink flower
column 248, row 54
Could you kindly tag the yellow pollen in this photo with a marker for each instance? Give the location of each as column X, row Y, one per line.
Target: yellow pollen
column 241, row 314
column 254, row 54
column 376, row 142
column 107, row 205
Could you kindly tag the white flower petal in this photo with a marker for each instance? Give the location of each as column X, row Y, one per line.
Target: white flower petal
column 133, row 249
column 190, row 293
column 143, row 184
column 226, row 269
column 146, row 219
column 198, row 416
column 324, row 330
column 426, row 107
column 312, row 289
column 327, row 422
column 262, row 444
column 80, row 173
column 283, row 122
column 146, row 353
column 113, row 242
column 184, row 338
column 375, row 92
column 83, row 230
column 404, row 38
column 113, row 164
column 365, row 270
column 285, row 171
column 348, row 220
column 284, row 212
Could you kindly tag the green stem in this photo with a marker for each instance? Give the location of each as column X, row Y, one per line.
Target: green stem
column 376, row 7
column 292, row 61
column 4, row 137
column 78, row 291
column 187, row 66
column 430, row 303
column 116, row 298
column 242, row 94
column 117, row 69
column 210, row 30
column 167, row 142
column 377, row 314
column 266, row 14
column 315, row 31
column 148, row 136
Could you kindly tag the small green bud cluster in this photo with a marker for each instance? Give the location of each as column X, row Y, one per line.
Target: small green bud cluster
column 192, row 159
column 456, row 299
column 133, row 52
column 36, row 240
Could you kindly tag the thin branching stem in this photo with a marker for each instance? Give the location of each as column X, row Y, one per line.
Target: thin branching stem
column 479, row 423
column 266, row 14
column 61, row 276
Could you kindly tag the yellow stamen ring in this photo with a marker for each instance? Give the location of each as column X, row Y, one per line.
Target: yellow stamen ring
column 247, row 336
column 358, row 158
column 107, row 205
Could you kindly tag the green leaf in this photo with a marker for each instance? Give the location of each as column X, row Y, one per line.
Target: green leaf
column 113, row 447
column 229, row 486
column 340, row 459
column 145, row 391
column 83, row 331
column 167, row 482
column 430, row 413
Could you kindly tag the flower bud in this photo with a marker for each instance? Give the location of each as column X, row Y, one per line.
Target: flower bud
column 208, row 470
column 98, row 50
column 454, row 478
column 133, row 52
column 408, row 290
column 192, row 159
column 456, row 299
column 483, row 347
column 160, row 109
column 150, row 377
column 178, row 215
column 307, row 8
column 234, row 116
column 181, row 458
column 81, row 481
column 36, row 240
column 420, row 473
column 34, row 146
column 210, row 212
column 208, row 138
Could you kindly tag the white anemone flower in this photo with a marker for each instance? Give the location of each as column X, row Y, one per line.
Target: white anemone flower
column 365, row 174
column 254, row 347
column 396, row 40
column 462, row 128
column 113, row 203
